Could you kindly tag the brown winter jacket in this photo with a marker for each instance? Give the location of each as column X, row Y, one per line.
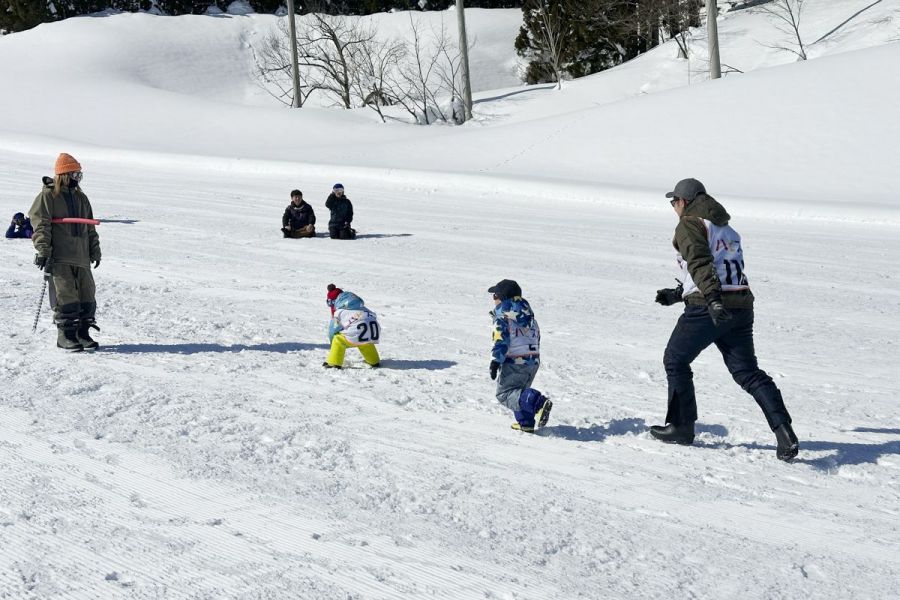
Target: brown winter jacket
column 691, row 241
column 70, row 244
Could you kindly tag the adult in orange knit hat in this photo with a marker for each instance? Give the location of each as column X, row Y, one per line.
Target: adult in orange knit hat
column 66, row 163
column 65, row 252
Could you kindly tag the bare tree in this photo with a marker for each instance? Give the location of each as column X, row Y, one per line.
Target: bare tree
column 273, row 68
column 551, row 34
column 450, row 72
column 417, row 83
column 329, row 45
column 373, row 68
column 342, row 57
column 787, row 14
column 681, row 38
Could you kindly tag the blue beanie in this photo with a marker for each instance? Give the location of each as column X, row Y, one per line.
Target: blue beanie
column 338, row 186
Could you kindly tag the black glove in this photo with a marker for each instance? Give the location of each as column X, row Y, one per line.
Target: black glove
column 96, row 263
column 669, row 296
column 41, row 261
column 717, row 311
column 495, row 366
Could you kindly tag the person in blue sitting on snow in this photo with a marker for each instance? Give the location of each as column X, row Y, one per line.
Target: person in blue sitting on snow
column 20, row 227
column 516, row 357
column 352, row 325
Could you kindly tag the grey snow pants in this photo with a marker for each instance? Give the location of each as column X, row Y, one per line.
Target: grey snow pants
column 512, row 380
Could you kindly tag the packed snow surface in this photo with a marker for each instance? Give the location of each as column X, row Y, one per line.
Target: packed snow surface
column 203, row 452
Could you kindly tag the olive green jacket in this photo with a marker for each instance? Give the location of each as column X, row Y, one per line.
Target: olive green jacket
column 71, row 244
column 692, row 243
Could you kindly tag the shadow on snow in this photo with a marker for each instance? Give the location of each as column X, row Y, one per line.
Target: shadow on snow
column 364, row 236
column 283, row 347
column 595, row 433
column 841, row 453
column 125, row 221
column 408, row 365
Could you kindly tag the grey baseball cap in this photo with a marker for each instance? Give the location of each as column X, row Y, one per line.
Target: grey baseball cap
column 688, row 189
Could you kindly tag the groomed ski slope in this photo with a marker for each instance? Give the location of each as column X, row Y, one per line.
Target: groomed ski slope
column 204, row 452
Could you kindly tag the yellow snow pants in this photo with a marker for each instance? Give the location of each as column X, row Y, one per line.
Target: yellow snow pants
column 339, row 345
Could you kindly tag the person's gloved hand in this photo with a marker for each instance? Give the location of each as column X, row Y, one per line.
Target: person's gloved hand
column 41, row 261
column 669, row 296
column 96, row 263
column 495, row 366
column 717, row 311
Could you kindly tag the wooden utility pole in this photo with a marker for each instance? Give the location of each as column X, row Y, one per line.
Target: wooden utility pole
column 712, row 28
column 295, row 68
column 464, row 49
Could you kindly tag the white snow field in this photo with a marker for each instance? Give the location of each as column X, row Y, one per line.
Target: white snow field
column 204, row 452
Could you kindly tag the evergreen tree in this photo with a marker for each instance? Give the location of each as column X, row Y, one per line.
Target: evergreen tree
column 18, row 15
column 563, row 39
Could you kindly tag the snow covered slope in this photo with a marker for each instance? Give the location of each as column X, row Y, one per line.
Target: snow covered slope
column 820, row 130
column 204, row 452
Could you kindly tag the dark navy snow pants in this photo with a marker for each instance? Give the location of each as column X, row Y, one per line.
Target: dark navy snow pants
column 693, row 333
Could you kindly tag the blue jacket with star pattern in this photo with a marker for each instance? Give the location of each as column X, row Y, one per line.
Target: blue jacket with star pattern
column 516, row 335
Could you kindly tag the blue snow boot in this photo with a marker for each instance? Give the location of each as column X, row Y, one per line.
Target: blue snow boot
column 534, row 410
column 524, row 422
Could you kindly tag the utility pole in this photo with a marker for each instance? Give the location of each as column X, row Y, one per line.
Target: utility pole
column 464, row 49
column 712, row 28
column 294, row 66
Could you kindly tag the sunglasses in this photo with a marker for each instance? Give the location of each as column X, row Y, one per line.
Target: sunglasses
column 76, row 176
column 674, row 201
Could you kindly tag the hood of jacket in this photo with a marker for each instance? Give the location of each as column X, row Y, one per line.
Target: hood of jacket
column 349, row 301
column 516, row 309
column 706, row 207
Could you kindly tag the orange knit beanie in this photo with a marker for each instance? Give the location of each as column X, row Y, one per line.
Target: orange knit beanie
column 66, row 163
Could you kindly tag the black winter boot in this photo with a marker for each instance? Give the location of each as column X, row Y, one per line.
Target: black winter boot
column 84, row 334
column 674, row 434
column 67, row 336
column 788, row 446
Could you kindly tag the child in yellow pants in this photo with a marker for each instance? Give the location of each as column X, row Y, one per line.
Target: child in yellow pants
column 339, row 345
column 352, row 325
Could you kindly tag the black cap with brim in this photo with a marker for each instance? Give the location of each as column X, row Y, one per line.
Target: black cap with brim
column 506, row 288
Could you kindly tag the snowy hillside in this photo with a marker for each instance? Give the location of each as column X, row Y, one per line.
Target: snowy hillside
column 204, row 452
column 815, row 131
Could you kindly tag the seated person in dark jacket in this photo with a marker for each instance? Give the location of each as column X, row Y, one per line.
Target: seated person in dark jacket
column 20, row 227
column 341, row 214
column 299, row 220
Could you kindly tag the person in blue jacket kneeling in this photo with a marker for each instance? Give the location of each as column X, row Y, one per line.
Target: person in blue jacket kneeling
column 20, row 227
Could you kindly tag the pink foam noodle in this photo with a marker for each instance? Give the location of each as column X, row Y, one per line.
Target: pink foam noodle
column 75, row 220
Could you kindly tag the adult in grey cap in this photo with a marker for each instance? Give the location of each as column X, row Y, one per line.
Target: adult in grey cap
column 718, row 310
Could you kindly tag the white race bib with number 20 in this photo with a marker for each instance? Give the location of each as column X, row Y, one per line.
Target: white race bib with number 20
column 359, row 326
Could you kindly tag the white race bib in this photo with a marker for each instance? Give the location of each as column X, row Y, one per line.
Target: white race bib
column 728, row 259
column 359, row 326
column 524, row 341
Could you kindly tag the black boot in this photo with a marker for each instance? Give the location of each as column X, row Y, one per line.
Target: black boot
column 67, row 336
column 788, row 446
column 674, row 434
column 84, row 334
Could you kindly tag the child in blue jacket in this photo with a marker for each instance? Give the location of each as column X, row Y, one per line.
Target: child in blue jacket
column 516, row 356
column 352, row 325
column 20, row 227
